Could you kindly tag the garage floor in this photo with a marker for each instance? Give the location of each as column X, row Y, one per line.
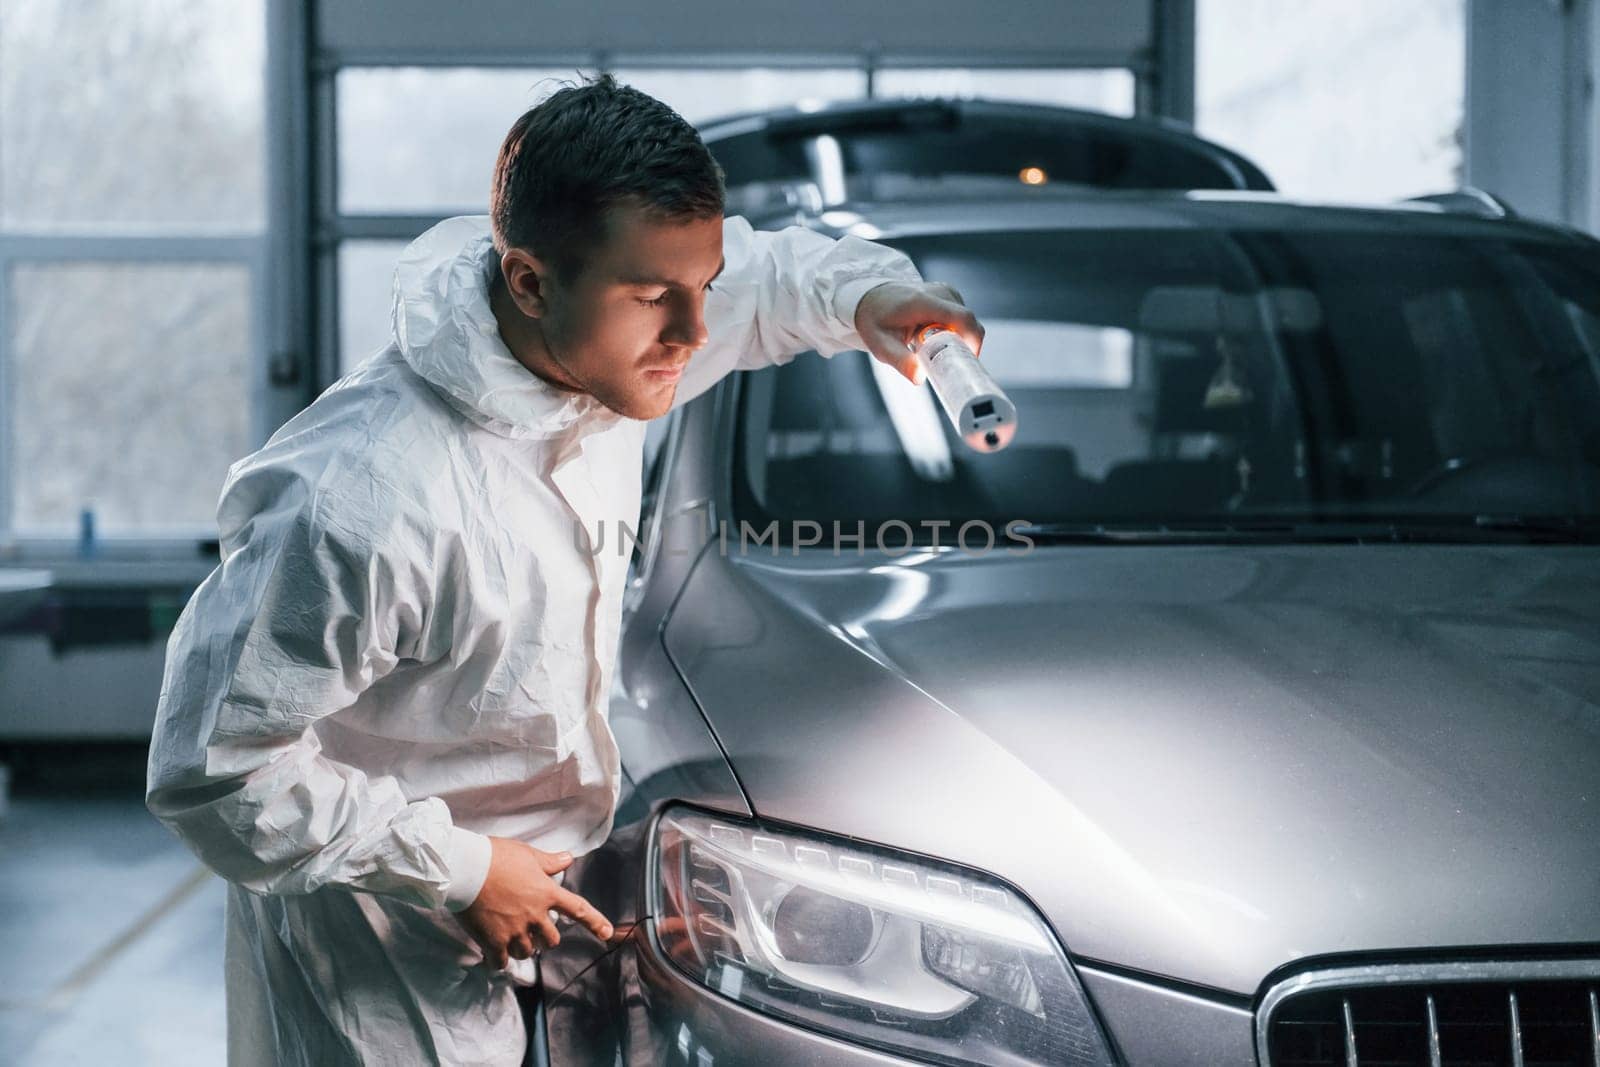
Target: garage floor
column 110, row 931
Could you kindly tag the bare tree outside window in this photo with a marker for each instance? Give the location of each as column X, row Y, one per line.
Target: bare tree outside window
column 1349, row 100
column 130, row 381
column 1097, row 90
column 418, row 141
column 130, row 393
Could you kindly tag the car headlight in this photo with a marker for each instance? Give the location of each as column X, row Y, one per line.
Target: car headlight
column 881, row 948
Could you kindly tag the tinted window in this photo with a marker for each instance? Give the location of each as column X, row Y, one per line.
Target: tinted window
column 1192, row 375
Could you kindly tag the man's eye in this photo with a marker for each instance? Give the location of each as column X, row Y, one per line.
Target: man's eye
column 663, row 298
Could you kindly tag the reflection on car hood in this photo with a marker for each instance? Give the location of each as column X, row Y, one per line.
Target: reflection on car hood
column 1200, row 762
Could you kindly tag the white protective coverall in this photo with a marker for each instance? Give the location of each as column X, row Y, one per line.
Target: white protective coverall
column 408, row 646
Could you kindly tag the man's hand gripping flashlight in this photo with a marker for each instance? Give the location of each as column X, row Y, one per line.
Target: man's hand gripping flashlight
column 980, row 411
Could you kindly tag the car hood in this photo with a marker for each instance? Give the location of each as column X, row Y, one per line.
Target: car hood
column 1199, row 762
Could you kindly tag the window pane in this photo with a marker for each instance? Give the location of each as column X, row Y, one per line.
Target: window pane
column 1280, row 374
column 699, row 95
column 422, row 141
column 1040, row 352
column 1342, row 99
column 1097, row 90
column 366, row 283
column 131, row 114
column 131, row 393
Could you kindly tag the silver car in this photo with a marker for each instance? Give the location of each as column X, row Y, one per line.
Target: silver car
column 1246, row 710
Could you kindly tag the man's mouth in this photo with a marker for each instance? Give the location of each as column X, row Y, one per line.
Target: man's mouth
column 669, row 372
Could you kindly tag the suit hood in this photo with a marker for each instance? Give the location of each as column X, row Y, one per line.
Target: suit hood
column 446, row 331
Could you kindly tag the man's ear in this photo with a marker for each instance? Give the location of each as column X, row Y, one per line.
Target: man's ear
column 527, row 279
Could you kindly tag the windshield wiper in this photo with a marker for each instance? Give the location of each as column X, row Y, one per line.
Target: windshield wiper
column 1564, row 529
column 1199, row 532
column 1414, row 529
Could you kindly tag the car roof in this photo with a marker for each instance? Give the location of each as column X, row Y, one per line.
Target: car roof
column 1022, row 208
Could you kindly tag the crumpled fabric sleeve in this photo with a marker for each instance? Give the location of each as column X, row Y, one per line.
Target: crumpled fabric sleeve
column 782, row 293
column 315, row 600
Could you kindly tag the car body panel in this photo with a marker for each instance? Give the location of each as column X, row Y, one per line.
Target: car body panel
column 1200, row 762
column 1154, row 1024
column 672, row 757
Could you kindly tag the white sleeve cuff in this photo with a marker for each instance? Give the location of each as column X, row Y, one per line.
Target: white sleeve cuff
column 847, row 297
column 467, row 861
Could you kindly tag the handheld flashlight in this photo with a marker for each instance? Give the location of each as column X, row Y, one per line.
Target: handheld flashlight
column 979, row 409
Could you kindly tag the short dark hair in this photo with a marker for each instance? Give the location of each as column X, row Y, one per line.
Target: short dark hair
column 585, row 149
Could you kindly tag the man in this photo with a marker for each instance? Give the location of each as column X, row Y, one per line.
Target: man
column 384, row 714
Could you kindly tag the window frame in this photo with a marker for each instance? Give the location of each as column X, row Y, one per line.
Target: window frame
column 276, row 386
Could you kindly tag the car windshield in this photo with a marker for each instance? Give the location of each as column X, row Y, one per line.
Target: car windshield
column 1177, row 377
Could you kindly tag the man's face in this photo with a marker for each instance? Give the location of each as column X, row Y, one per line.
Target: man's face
column 624, row 328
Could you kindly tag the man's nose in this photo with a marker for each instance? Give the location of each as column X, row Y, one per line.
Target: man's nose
column 688, row 327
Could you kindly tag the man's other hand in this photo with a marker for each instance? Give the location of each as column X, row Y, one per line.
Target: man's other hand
column 889, row 314
column 510, row 917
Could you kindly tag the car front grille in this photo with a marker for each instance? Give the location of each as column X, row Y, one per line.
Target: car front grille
column 1538, row 1013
